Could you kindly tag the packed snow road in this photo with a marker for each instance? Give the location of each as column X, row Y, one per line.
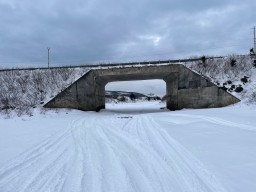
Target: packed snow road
column 127, row 151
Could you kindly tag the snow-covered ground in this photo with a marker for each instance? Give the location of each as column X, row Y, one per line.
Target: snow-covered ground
column 130, row 147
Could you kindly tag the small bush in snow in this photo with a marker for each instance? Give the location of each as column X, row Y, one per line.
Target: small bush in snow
column 254, row 63
column 132, row 97
column 239, row 89
column 233, row 62
column 244, row 79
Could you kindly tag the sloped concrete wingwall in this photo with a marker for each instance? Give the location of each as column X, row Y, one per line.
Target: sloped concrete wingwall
column 194, row 91
column 79, row 95
column 184, row 88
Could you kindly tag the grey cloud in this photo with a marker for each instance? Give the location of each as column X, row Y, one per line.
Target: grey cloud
column 86, row 31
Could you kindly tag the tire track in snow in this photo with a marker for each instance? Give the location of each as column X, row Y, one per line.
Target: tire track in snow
column 36, row 165
column 185, row 166
column 114, row 175
column 215, row 120
column 107, row 153
column 220, row 121
column 75, row 169
column 193, row 172
column 138, row 163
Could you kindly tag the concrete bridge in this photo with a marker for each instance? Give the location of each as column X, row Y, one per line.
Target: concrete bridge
column 184, row 88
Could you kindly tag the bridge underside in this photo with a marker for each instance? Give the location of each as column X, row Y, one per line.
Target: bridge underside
column 184, row 88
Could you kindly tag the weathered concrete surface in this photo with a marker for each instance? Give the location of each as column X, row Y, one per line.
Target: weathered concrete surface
column 184, row 88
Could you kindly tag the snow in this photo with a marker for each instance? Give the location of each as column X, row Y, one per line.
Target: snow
column 130, row 147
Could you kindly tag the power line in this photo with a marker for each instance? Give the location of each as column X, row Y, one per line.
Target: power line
column 254, row 39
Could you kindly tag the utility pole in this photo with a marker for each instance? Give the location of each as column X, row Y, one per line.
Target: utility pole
column 254, row 38
column 48, row 48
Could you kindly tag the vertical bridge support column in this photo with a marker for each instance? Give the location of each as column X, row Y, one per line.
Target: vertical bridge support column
column 172, row 81
column 99, row 95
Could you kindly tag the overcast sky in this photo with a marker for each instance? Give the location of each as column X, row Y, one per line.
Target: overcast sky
column 92, row 31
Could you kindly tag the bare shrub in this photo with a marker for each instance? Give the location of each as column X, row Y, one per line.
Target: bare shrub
column 23, row 90
column 222, row 68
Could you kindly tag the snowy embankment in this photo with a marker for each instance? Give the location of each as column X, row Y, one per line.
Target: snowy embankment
column 236, row 74
column 130, row 147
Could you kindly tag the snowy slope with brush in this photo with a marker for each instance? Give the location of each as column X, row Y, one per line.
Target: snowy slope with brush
column 236, row 74
column 23, row 90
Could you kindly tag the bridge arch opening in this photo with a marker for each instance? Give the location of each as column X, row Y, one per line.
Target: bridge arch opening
column 135, row 96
